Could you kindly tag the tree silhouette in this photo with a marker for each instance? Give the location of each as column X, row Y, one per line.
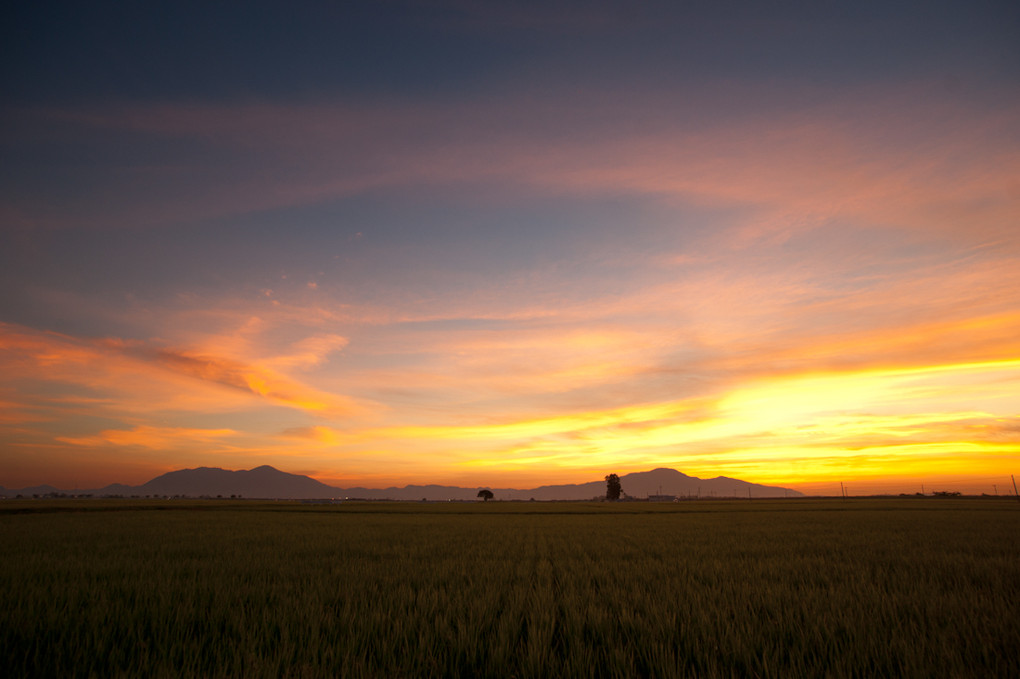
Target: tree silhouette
column 485, row 494
column 613, row 489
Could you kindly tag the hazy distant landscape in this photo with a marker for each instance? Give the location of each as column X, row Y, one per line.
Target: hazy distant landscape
column 266, row 482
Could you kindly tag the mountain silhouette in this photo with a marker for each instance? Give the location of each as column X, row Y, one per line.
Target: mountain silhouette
column 260, row 482
column 672, row 482
column 266, row 482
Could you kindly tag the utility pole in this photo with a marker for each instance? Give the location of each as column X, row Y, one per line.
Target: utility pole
column 842, row 490
column 1014, row 487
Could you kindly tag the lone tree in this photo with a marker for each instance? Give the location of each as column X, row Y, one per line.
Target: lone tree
column 485, row 494
column 613, row 487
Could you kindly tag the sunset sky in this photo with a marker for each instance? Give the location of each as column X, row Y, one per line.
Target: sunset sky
column 512, row 243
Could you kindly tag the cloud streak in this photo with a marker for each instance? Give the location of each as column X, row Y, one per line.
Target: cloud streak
column 158, row 438
column 892, row 158
column 102, row 365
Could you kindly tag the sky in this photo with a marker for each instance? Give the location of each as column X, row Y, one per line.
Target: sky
column 512, row 243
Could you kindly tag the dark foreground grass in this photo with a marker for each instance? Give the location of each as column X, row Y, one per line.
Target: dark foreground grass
column 764, row 588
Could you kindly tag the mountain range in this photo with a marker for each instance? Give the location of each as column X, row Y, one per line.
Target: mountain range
column 266, row 482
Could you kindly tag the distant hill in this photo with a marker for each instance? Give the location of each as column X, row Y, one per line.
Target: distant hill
column 260, row 482
column 29, row 492
column 266, row 482
column 672, row 482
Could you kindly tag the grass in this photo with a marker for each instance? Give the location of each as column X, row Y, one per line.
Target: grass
column 767, row 588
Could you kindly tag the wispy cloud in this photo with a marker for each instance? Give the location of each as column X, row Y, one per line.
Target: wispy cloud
column 159, row 438
column 917, row 159
column 151, row 377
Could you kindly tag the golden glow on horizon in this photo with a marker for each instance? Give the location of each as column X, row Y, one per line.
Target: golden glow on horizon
column 787, row 429
column 805, row 428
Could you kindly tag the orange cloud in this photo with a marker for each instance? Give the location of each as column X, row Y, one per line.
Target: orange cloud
column 259, row 381
column 148, row 374
column 157, row 438
column 310, row 352
column 14, row 412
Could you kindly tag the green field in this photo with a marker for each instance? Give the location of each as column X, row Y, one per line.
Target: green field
column 901, row 587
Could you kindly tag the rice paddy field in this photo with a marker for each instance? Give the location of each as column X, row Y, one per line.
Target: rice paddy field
column 897, row 587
